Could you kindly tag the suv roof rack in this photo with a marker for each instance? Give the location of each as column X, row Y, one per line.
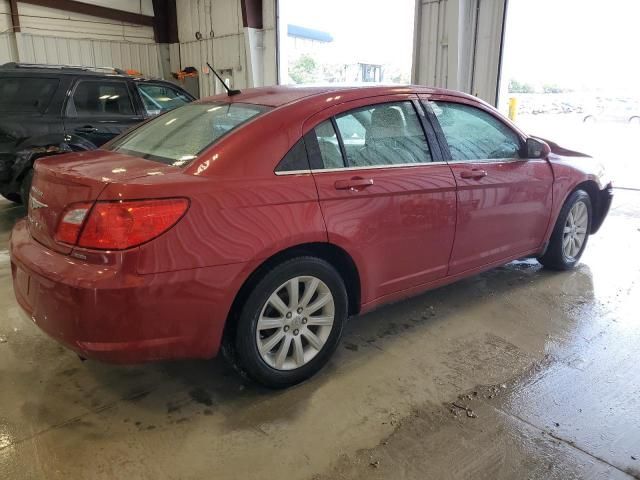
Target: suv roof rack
column 85, row 68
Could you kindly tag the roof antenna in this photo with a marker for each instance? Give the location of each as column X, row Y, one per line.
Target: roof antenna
column 231, row 92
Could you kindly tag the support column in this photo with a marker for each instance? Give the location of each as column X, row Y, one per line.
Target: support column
column 252, row 22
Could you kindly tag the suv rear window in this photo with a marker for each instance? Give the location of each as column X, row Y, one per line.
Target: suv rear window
column 179, row 136
column 100, row 98
column 24, row 94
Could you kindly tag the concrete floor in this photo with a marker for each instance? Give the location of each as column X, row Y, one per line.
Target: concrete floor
column 516, row 373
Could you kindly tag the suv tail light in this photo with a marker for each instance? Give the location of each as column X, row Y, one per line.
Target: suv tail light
column 118, row 225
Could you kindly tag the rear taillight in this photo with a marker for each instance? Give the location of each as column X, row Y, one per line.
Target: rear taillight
column 71, row 223
column 119, row 225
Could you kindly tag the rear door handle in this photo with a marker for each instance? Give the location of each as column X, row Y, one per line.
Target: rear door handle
column 475, row 173
column 354, row 184
column 86, row 129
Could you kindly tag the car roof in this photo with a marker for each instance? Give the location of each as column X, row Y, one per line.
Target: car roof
column 79, row 70
column 277, row 96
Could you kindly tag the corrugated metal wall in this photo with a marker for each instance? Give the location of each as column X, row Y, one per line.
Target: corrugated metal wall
column 45, row 21
column 223, row 41
column 226, row 53
column 212, row 18
column 57, row 37
column 144, row 57
column 431, row 47
column 5, row 19
column 7, row 48
column 457, row 45
column 488, row 49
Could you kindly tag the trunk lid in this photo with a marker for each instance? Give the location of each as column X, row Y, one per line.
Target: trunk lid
column 77, row 177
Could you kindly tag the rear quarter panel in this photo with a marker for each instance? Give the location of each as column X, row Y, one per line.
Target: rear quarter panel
column 240, row 211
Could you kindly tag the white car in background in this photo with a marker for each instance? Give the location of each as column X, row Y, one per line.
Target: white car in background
column 620, row 110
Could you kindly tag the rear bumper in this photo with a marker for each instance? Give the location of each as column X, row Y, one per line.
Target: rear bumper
column 601, row 208
column 100, row 312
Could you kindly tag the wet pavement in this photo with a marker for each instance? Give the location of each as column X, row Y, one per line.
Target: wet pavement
column 516, row 373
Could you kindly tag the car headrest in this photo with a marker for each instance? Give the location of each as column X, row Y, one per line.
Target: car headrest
column 386, row 122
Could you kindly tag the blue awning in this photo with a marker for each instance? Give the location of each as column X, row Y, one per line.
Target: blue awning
column 309, row 33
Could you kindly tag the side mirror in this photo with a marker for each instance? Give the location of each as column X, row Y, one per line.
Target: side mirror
column 537, row 148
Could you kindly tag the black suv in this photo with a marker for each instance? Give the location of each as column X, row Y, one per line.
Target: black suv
column 51, row 109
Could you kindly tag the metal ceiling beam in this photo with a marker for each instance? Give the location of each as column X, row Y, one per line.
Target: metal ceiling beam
column 15, row 18
column 93, row 10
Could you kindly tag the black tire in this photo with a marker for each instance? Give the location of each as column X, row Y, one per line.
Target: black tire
column 12, row 197
column 247, row 355
column 25, row 186
column 554, row 258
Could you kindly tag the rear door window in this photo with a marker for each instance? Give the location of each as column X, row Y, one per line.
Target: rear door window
column 101, row 99
column 383, row 134
column 158, row 98
column 26, row 94
column 328, row 145
column 295, row 160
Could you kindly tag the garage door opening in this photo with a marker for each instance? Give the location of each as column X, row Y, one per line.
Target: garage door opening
column 570, row 72
column 358, row 41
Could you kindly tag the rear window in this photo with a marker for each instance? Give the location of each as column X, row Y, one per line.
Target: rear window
column 24, row 94
column 179, row 136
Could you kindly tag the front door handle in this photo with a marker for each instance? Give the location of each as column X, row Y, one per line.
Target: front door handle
column 86, row 129
column 475, row 173
column 355, row 184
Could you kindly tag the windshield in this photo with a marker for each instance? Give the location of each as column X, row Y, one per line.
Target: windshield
column 179, row 136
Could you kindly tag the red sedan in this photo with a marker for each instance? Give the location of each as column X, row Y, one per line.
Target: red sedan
column 261, row 221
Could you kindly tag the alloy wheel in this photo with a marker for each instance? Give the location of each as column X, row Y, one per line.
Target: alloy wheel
column 575, row 230
column 295, row 323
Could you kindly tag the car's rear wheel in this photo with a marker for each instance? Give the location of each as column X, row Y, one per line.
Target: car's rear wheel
column 570, row 234
column 291, row 322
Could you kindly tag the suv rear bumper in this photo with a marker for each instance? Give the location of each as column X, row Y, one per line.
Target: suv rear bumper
column 103, row 313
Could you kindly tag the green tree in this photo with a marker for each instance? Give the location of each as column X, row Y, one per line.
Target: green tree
column 303, row 69
column 516, row 87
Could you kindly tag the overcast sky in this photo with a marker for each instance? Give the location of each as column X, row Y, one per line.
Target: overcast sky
column 380, row 30
column 589, row 43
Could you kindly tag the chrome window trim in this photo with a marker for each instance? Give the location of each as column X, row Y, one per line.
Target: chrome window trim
column 366, row 167
column 294, row 172
column 400, row 165
column 489, row 160
column 376, row 167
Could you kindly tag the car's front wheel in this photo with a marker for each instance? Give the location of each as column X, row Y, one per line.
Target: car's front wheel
column 570, row 234
column 291, row 322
